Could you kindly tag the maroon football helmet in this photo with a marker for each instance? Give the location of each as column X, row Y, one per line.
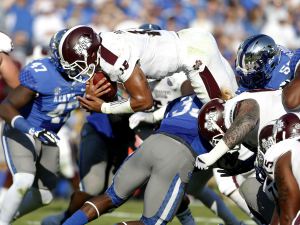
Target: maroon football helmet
column 78, row 51
column 211, row 125
column 287, row 126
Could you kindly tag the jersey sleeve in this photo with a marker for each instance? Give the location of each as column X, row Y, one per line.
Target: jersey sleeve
column 295, row 61
column 27, row 79
column 118, row 60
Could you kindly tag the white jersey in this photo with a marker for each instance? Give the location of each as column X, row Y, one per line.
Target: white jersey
column 167, row 89
column 270, row 106
column 162, row 53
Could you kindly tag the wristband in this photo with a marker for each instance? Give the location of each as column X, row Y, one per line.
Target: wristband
column 218, row 151
column 20, row 123
column 116, row 107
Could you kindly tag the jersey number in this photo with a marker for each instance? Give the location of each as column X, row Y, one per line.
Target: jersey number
column 38, row 67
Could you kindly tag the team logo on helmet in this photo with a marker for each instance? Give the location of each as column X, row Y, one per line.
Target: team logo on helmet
column 266, row 143
column 210, row 120
column 82, row 46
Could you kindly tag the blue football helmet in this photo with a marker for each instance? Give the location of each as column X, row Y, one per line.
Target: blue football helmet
column 150, row 26
column 256, row 58
column 53, row 45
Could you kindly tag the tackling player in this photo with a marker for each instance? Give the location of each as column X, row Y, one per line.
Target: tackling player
column 177, row 141
column 34, row 112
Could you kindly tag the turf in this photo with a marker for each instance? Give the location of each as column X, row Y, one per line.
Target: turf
column 129, row 211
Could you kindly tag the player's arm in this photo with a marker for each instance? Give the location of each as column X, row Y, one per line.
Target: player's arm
column 245, row 120
column 15, row 100
column 139, row 91
column 140, row 96
column 291, row 93
column 288, row 190
column 247, row 116
column 9, row 71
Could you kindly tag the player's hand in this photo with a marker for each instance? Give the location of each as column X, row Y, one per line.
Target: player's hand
column 6, row 44
column 136, row 118
column 46, row 137
column 90, row 103
column 204, row 161
column 98, row 89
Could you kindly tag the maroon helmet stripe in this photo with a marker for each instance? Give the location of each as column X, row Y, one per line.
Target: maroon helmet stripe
column 107, row 55
column 210, row 83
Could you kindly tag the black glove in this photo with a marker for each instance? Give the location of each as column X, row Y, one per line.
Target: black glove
column 231, row 165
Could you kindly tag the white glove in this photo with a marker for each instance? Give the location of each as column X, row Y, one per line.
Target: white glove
column 203, row 161
column 6, row 44
column 138, row 117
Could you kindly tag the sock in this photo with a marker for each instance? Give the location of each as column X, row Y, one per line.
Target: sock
column 186, row 217
column 78, row 218
column 238, row 199
column 3, row 191
column 10, row 204
column 214, row 202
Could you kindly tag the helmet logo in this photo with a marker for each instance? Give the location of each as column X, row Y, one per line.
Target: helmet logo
column 82, row 45
column 266, row 143
column 210, row 120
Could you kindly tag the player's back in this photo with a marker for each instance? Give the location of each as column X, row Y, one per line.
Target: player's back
column 157, row 52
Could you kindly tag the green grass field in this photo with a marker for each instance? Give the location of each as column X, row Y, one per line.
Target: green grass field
column 129, row 211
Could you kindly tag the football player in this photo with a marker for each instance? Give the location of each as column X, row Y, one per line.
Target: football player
column 278, row 157
column 9, row 74
column 131, row 56
column 34, row 112
column 176, row 140
column 244, row 115
column 262, row 64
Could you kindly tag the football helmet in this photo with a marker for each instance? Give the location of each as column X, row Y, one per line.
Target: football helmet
column 79, row 52
column 53, row 46
column 287, row 126
column 149, row 26
column 256, row 58
column 211, row 125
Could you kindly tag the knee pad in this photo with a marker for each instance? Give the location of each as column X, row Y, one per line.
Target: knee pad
column 22, row 182
column 46, row 196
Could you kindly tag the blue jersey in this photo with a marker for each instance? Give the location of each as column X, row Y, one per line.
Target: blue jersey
column 283, row 72
column 181, row 120
column 55, row 96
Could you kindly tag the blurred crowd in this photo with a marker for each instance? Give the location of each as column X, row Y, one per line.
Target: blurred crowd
column 32, row 22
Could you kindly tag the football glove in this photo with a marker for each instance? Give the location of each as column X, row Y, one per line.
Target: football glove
column 46, row 137
column 136, row 118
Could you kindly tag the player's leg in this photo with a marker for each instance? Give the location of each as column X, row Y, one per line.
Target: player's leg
column 93, row 163
column 257, row 199
column 134, row 172
column 207, row 72
column 45, row 181
column 198, row 189
column 20, row 154
column 165, row 188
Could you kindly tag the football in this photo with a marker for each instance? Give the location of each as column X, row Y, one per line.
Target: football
column 110, row 96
